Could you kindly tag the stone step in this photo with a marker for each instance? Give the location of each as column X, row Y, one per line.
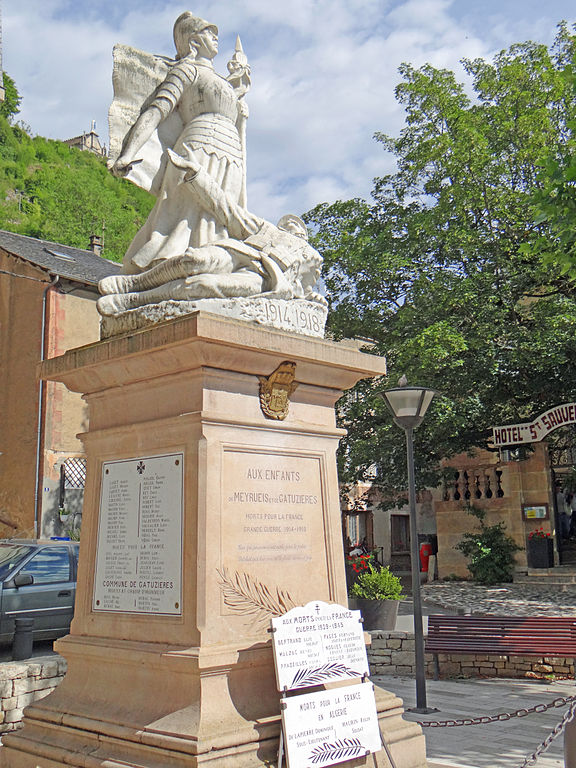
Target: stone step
column 568, row 588
column 561, row 578
column 537, row 579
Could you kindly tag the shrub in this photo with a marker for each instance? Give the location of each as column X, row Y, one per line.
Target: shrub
column 377, row 584
column 490, row 551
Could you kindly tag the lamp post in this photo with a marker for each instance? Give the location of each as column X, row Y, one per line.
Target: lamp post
column 408, row 406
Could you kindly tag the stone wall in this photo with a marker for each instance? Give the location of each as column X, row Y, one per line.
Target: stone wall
column 72, row 321
column 21, row 322
column 481, row 478
column 23, row 682
column 392, row 653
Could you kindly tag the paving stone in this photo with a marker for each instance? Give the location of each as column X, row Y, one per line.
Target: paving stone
column 501, row 599
column 503, row 744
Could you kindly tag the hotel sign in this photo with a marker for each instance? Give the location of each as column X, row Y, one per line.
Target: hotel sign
column 534, row 431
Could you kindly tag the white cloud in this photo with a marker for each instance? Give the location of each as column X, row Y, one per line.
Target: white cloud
column 324, row 73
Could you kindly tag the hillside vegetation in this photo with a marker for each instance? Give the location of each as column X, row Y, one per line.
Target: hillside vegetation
column 55, row 192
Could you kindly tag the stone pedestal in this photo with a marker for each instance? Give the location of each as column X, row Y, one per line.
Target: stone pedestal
column 261, row 532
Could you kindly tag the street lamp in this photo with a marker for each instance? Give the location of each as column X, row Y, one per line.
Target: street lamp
column 408, row 406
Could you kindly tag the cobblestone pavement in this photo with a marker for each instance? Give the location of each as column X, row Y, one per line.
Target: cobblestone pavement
column 495, row 745
column 511, row 599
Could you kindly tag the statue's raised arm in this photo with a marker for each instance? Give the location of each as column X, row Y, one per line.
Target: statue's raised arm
column 136, row 77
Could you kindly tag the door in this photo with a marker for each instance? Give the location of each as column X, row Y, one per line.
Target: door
column 400, row 543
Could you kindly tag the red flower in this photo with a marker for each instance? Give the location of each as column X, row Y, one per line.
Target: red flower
column 539, row 533
column 359, row 563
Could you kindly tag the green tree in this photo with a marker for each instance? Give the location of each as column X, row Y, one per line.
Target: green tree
column 435, row 270
column 11, row 104
column 555, row 198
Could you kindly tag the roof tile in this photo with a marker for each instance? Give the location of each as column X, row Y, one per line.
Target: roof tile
column 70, row 263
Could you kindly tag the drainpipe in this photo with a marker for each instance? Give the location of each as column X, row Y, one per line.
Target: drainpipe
column 40, row 425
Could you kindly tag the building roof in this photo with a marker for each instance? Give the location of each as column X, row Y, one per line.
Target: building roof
column 89, row 142
column 57, row 259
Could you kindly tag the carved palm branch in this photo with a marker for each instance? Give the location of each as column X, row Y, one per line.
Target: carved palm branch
column 343, row 749
column 244, row 595
column 308, row 676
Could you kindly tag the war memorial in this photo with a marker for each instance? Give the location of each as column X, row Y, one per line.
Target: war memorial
column 212, row 505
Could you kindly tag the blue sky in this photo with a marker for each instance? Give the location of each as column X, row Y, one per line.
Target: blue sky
column 323, row 73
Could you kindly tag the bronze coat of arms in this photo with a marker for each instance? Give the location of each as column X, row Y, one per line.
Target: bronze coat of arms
column 275, row 391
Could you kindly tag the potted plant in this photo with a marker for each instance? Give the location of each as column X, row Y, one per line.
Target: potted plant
column 355, row 565
column 376, row 593
column 540, row 550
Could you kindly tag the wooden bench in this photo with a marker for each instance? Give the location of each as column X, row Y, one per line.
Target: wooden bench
column 501, row 636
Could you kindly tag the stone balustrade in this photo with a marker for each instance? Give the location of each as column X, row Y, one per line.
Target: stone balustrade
column 470, row 485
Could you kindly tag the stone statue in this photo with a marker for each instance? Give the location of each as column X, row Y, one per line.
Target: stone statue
column 178, row 129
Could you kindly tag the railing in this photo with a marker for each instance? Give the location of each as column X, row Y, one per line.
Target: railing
column 470, row 485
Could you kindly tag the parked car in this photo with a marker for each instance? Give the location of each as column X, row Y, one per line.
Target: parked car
column 37, row 581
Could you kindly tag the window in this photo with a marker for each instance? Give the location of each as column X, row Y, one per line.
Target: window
column 359, row 528
column 49, row 566
column 10, row 556
column 72, row 477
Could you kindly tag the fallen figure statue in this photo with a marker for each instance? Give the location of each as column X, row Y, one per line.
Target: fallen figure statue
column 258, row 260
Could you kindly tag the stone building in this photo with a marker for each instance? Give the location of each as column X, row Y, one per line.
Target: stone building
column 89, row 142
column 48, row 298
column 509, row 485
column 506, row 487
column 386, row 531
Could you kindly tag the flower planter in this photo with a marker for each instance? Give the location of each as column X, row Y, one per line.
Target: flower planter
column 540, row 552
column 377, row 614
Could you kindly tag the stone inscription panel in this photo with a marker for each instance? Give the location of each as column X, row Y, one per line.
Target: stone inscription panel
column 316, row 644
column 139, row 555
column 332, row 726
column 273, row 518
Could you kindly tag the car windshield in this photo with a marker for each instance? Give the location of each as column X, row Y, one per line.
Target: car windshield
column 12, row 555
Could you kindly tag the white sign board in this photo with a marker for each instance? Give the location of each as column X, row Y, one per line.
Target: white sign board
column 139, row 555
column 534, row 431
column 331, row 726
column 318, row 643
